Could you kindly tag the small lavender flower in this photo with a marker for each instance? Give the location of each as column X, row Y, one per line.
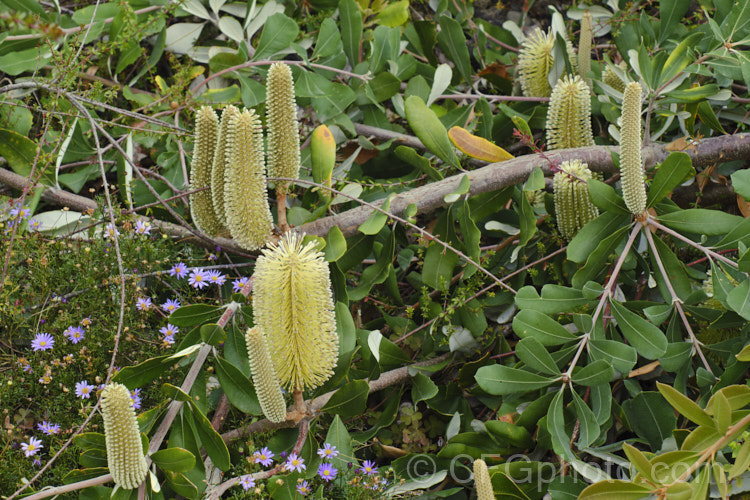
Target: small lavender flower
column 304, row 488
column 328, row 451
column 74, row 333
column 110, row 231
column 86, row 321
column 143, row 303
column 142, row 227
column 327, row 472
column 42, row 342
column 32, row 447
column 170, row 305
column 35, row 225
column 180, row 270
column 37, row 462
column 24, row 212
column 247, row 482
column 295, row 462
column 216, row 277
column 368, row 468
column 238, row 284
column 168, row 340
column 48, row 428
column 169, row 330
column 83, row 389
column 198, row 279
column 264, row 457
column 135, row 397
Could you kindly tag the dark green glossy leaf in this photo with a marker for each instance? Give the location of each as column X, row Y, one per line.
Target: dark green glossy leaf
column 211, row 439
column 622, row 356
column 349, row 400
column 350, row 21
column 589, row 428
column 604, row 197
column 376, row 273
column 194, row 315
column 673, row 171
column 598, row 372
column 174, row 459
column 141, row 374
column 422, row 389
column 238, row 388
column 500, row 380
column 593, row 233
column 701, row 221
column 739, row 299
column 535, row 356
column 279, row 31
column 452, row 40
column 213, row 334
column 651, row 417
column 648, row 340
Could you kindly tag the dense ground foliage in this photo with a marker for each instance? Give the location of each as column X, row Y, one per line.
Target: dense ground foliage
column 601, row 357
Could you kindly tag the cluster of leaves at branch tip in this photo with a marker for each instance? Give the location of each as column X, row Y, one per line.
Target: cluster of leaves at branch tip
column 283, row 128
column 535, row 61
column 631, row 164
column 482, row 481
column 610, row 77
column 584, row 49
column 201, row 205
column 125, row 458
column 293, row 305
column 569, row 115
column 264, row 376
column 573, row 204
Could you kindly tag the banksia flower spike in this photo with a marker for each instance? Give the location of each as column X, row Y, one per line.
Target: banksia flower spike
column 201, row 206
column 631, row 165
column 535, row 61
column 572, row 201
column 125, row 458
column 610, row 78
column 584, row 48
column 293, row 306
column 245, row 196
column 218, row 171
column 482, row 481
column 264, row 376
column 569, row 115
column 283, row 132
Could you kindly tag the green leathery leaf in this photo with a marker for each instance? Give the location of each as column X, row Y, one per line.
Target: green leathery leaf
column 556, row 427
column 501, row 380
column 639, row 461
column 533, row 324
column 90, row 441
column 554, row 299
column 595, row 264
column 349, row 400
column 615, row 490
column 722, row 413
column 376, row 273
column 422, row 389
column 589, row 429
column 237, row 387
column 18, row 150
column 335, row 245
column 651, row 417
column 589, row 237
column 212, row 334
column 141, row 374
column 174, row 459
column 535, row 356
column 377, row 220
column 452, row 40
column 350, row 20
column 279, row 31
column 622, row 356
column 677, row 354
column 329, row 40
column 598, row 372
column 739, row 299
column 604, row 197
column 678, row 57
column 429, row 129
column 527, row 220
column 471, row 235
column 742, row 462
column 675, row 273
column 463, row 188
column 648, row 340
column 410, row 156
column 212, row 441
column 181, row 484
column 437, row 270
column 505, row 433
column 701, row 221
column 194, row 314
column 676, row 169
column 339, row 437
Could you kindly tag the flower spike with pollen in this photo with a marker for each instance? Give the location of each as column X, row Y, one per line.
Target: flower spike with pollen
column 218, row 171
column 283, row 133
column 535, row 62
column 569, row 115
column 293, row 305
column 125, row 458
column 245, row 196
column 482, row 481
column 572, row 200
column 610, row 78
column 201, row 206
column 631, row 165
column 264, row 376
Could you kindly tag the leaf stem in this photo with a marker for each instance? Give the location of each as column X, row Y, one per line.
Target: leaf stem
column 710, row 253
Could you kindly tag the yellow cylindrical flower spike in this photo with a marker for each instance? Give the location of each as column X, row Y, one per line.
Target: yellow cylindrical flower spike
column 125, row 458
column 323, row 157
column 584, row 48
column 283, row 128
column 535, row 61
column 293, row 305
column 218, row 171
column 482, row 481
column 610, row 77
column 572, row 200
column 264, row 376
column 201, row 207
column 569, row 115
column 245, row 196
column 631, row 165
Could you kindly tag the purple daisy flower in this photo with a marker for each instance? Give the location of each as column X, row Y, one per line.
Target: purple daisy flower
column 143, row 303
column 86, row 321
column 247, row 482
column 42, row 342
column 295, row 462
column 35, row 225
column 135, row 397
column 32, row 447
column 84, row 390
column 216, row 277
column 48, row 428
column 180, row 270
column 171, row 305
column 327, row 472
column 368, row 468
column 169, row 330
column 328, row 451
column 238, row 284
column 74, row 333
column 198, row 278
column 110, row 231
column 142, row 227
column 264, row 457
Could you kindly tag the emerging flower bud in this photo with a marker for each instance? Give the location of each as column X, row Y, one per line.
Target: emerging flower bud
column 125, row 458
column 293, row 305
column 283, row 128
column 610, row 78
column 631, row 165
column 482, row 481
column 572, row 201
column 535, row 61
column 201, row 206
column 264, row 376
column 569, row 115
column 218, row 171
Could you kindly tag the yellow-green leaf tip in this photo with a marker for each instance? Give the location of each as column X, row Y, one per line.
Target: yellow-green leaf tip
column 569, row 115
column 482, row 481
column 125, row 458
column 293, row 305
column 245, row 196
column 573, row 204
column 281, row 120
column 264, row 376
column 631, row 165
column 201, row 205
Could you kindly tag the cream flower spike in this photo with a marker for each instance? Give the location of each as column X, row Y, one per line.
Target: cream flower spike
column 631, row 164
column 201, row 207
column 293, row 305
column 610, row 77
column 569, row 115
column 245, row 196
column 125, row 458
column 218, row 171
column 482, row 481
column 264, row 376
column 584, row 48
column 535, row 62
column 573, row 204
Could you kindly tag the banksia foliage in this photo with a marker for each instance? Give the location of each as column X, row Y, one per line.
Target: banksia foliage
column 631, row 165
column 283, row 128
column 572, row 201
column 569, row 115
column 482, row 481
column 610, row 77
column 264, row 376
column 584, row 48
column 293, row 306
column 218, row 171
column 201, row 205
column 125, row 458
column 245, row 197
column 535, row 61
